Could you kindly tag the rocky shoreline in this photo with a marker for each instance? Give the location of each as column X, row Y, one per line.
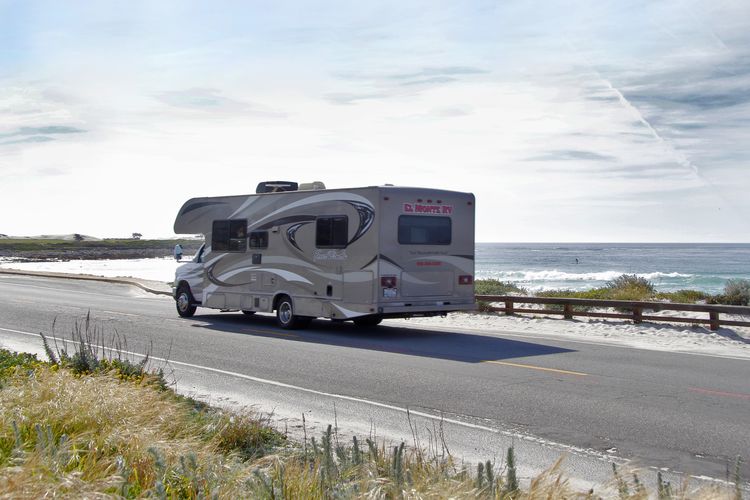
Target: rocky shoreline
column 91, row 251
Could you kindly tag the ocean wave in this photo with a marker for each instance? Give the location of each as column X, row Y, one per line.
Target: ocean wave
column 555, row 275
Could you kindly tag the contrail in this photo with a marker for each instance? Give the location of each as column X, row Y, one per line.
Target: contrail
column 679, row 157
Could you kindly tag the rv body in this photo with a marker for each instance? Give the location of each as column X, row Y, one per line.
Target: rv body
column 359, row 254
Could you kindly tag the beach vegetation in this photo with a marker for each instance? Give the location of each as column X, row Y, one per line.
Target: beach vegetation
column 593, row 294
column 736, row 293
column 85, row 435
column 92, row 350
column 683, row 296
column 624, row 287
column 497, row 287
column 630, row 287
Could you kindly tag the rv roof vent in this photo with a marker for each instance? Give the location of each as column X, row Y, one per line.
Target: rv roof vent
column 312, row 186
column 276, row 186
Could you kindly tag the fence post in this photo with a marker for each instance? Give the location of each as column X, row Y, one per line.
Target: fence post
column 714, row 318
column 637, row 314
column 568, row 311
column 508, row 307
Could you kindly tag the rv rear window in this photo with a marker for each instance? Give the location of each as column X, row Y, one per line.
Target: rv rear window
column 332, row 232
column 259, row 239
column 229, row 235
column 424, row 230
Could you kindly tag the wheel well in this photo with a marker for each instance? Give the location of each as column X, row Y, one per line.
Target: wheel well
column 278, row 298
column 183, row 284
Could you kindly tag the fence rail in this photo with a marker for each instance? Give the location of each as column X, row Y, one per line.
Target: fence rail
column 634, row 309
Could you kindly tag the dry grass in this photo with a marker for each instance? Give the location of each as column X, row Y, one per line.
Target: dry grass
column 78, row 436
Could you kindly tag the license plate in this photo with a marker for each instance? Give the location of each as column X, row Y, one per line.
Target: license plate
column 390, row 293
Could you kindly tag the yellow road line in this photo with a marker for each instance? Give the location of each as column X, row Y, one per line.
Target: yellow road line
column 532, row 367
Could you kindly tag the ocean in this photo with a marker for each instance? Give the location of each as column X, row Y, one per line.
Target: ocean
column 581, row 266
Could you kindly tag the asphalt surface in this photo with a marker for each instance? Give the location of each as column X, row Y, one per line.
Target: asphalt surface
column 596, row 403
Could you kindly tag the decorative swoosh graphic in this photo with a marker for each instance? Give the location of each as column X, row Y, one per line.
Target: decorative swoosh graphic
column 283, row 273
column 287, row 220
column 370, row 262
column 366, row 218
column 365, row 212
column 200, row 204
column 390, row 261
column 291, row 234
column 216, row 281
column 470, row 257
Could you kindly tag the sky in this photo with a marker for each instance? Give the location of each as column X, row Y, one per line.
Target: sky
column 620, row 121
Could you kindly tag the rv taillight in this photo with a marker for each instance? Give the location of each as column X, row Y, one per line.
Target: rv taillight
column 465, row 279
column 388, row 281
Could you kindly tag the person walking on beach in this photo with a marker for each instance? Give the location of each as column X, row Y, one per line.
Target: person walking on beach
column 178, row 252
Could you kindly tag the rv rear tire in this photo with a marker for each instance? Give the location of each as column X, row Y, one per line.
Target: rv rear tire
column 285, row 316
column 185, row 303
column 373, row 320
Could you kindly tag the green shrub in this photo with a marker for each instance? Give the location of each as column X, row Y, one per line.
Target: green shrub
column 683, row 296
column 248, row 435
column 483, row 306
column 11, row 361
column 625, row 287
column 630, row 287
column 497, row 287
column 95, row 352
column 567, row 294
column 737, row 292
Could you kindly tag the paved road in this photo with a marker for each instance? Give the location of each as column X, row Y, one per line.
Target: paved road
column 689, row 413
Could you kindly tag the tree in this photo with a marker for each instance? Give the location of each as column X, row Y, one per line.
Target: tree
column 137, row 236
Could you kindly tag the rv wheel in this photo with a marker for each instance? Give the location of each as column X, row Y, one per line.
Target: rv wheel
column 373, row 320
column 185, row 306
column 285, row 316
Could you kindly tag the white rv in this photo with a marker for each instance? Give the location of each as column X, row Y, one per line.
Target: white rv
column 360, row 254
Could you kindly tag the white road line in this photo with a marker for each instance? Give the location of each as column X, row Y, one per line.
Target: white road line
column 122, row 313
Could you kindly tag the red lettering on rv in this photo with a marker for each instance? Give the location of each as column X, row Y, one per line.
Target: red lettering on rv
column 420, row 208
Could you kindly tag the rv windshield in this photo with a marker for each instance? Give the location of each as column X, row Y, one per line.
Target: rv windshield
column 424, row 230
column 199, row 256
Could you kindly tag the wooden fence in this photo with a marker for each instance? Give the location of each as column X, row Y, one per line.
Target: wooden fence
column 633, row 310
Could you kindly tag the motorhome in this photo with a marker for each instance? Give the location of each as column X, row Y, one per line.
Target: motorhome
column 304, row 252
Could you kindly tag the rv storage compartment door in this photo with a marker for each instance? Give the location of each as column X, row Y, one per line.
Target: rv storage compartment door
column 427, row 283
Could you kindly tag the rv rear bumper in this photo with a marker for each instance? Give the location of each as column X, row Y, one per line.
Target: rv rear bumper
column 405, row 310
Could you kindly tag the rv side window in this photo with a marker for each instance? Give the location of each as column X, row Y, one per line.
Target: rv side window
column 424, row 230
column 229, row 235
column 332, row 232
column 259, row 239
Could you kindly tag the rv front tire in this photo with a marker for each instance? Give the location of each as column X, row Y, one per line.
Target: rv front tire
column 185, row 306
column 285, row 316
